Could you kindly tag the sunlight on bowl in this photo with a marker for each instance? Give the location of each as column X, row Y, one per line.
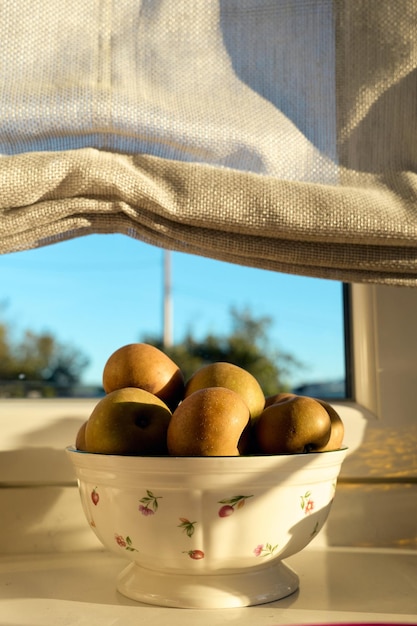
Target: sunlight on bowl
column 207, row 532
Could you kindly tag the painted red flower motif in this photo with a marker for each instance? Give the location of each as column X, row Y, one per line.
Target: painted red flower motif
column 125, row 543
column 229, row 505
column 145, row 510
column 195, row 554
column 148, row 505
column 309, row 506
column 258, row 550
column 120, row 541
column 266, row 549
column 95, row 497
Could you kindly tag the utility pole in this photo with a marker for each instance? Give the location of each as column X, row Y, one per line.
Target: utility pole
column 167, row 307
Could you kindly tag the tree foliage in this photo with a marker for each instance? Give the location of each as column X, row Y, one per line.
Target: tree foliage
column 248, row 345
column 37, row 358
column 38, row 361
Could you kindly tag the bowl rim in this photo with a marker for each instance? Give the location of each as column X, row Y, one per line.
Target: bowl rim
column 284, row 463
column 71, row 448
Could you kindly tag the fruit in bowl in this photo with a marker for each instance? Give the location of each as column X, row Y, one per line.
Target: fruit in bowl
column 208, row 489
column 146, row 367
column 219, row 411
column 293, row 424
column 128, row 421
column 208, row 422
column 231, row 376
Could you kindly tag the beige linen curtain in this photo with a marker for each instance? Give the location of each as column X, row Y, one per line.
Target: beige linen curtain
column 278, row 134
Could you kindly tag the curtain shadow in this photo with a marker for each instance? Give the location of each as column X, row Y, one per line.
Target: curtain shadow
column 385, row 138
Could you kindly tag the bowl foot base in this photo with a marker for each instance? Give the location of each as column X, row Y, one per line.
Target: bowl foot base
column 208, row 591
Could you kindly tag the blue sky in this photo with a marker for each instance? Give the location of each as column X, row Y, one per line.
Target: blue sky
column 103, row 291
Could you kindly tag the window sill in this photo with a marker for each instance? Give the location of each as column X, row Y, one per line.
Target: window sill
column 336, row 586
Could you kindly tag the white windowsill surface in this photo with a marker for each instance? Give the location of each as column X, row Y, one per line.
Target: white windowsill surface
column 336, row 586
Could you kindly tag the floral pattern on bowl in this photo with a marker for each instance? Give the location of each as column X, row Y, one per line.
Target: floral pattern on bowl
column 206, row 516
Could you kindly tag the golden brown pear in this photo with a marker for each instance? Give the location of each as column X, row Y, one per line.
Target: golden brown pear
column 294, row 425
column 146, row 367
column 208, row 422
column 128, row 421
column 338, row 430
column 223, row 374
column 278, row 397
column 80, row 438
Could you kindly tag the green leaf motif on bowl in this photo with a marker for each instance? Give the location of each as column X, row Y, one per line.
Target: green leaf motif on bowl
column 149, row 503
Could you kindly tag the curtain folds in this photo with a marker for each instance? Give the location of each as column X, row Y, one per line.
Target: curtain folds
column 278, row 134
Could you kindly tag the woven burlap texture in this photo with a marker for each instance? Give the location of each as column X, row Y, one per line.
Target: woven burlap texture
column 275, row 134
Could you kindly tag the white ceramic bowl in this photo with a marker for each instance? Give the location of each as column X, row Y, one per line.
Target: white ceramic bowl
column 207, row 532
